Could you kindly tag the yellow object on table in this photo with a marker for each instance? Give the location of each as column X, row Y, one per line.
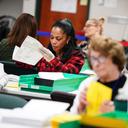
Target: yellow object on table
column 66, row 120
column 12, row 85
column 108, row 120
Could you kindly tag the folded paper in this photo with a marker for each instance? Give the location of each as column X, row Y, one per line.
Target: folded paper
column 31, row 51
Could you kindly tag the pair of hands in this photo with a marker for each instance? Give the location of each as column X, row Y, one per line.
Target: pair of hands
column 106, row 106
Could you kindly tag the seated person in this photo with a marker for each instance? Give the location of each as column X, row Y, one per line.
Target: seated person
column 107, row 58
column 92, row 29
column 25, row 25
column 68, row 57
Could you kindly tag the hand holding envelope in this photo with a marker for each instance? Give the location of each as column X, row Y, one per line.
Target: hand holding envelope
column 97, row 95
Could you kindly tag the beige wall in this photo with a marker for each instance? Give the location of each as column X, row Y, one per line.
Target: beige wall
column 113, row 30
column 29, row 6
column 117, row 31
column 16, row 7
column 11, row 7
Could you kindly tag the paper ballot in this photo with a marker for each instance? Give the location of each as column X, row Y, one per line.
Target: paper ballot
column 31, row 51
column 97, row 93
column 51, row 75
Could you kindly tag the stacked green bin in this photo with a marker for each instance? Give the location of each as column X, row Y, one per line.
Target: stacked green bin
column 85, row 66
column 116, row 119
column 70, row 83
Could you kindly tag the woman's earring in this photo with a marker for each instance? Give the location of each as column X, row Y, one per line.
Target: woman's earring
column 67, row 41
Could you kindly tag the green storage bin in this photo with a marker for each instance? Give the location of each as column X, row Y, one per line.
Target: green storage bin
column 114, row 119
column 85, row 66
column 116, row 115
column 34, row 83
column 74, row 124
column 121, row 105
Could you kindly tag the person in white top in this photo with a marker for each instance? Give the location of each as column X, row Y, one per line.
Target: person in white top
column 107, row 58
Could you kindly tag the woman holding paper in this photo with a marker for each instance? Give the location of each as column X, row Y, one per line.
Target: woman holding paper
column 68, row 58
column 25, row 25
column 107, row 59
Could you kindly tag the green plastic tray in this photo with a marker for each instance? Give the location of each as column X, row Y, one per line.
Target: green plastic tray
column 70, row 83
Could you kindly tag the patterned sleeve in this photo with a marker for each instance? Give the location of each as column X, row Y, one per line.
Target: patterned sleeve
column 72, row 65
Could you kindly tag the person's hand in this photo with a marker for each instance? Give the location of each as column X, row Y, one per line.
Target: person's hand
column 82, row 101
column 107, row 106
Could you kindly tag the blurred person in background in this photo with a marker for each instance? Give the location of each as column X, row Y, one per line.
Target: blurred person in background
column 93, row 28
column 25, row 24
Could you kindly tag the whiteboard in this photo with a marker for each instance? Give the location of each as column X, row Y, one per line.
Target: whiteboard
column 69, row 6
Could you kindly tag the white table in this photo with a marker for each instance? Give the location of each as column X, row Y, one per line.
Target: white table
column 25, row 94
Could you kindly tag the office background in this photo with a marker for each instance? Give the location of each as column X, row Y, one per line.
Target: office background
column 97, row 8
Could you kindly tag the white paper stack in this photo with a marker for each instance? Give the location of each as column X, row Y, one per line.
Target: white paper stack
column 3, row 77
column 51, row 75
column 35, row 114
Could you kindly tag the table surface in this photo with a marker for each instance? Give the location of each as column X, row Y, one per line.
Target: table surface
column 13, row 90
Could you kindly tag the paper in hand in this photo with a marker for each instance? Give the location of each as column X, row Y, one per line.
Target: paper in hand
column 47, row 54
column 31, row 51
column 97, row 93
